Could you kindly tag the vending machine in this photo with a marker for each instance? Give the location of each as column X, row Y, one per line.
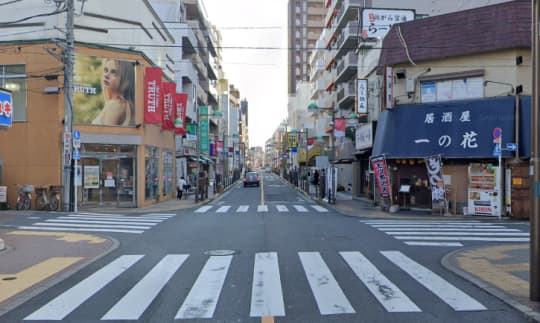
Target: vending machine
column 484, row 191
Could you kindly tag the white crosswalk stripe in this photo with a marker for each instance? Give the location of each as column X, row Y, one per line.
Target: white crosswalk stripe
column 223, row 209
column 262, row 208
column 267, row 294
column 282, row 208
column 319, row 208
column 300, row 208
column 242, row 208
column 448, row 293
column 446, row 233
column 202, row 298
column 90, row 222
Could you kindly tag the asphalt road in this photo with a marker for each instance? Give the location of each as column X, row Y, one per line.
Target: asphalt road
column 265, row 254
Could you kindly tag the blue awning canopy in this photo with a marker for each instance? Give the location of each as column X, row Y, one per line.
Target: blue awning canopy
column 458, row 129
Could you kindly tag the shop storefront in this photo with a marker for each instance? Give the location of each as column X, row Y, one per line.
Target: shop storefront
column 462, row 134
column 108, row 175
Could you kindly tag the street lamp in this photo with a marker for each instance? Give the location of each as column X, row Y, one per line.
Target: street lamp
column 313, row 107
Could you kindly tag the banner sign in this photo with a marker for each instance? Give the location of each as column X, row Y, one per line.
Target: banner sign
column 378, row 164
column 180, row 113
column 389, row 88
column 292, row 139
column 6, row 108
column 191, row 132
column 361, row 96
column 436, row 182
column 339, row 127
column 153, row 99
column 219, row 146
column 169, row 104
column 104, row 91
column 310, row 143
column 203, row 129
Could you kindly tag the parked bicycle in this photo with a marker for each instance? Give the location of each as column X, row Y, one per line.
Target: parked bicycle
column 24, row 199
column 48, row 198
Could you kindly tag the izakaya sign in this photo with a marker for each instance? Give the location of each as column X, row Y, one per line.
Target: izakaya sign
column 377, row 22
column 378, row 164
column 6, row 108
column 153, row 95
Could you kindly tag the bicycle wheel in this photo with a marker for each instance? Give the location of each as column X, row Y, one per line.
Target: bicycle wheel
column 42, row 203
column 26, row 204
column 19, row 204
column 53, row 206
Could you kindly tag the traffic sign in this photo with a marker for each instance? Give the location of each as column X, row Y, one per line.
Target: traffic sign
column 76, row 154
column 497, row 150
column 497, row 133
column 511, row 146
column 76, row 134
column 76, row 143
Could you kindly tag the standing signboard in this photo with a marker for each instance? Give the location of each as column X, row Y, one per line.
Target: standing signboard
column 436, row 182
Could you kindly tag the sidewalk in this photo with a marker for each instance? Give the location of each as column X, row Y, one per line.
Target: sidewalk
column 501, row 270
column 26, row 270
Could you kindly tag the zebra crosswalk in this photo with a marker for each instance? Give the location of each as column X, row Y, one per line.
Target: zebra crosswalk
column 94, row 222
column 280, row 208
column 447, row 233
column 267, row 287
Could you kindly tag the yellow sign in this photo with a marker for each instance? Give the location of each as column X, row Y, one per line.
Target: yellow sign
column 292, row 139
column 518, row 181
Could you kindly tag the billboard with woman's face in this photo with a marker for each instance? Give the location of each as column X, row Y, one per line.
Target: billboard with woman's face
column 104, row 92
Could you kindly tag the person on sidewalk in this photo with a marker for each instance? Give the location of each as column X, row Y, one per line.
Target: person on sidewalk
column 180, row 187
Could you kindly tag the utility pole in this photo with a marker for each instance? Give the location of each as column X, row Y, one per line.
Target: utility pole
column 332, row 196
column 535, row 163
column 68, row 108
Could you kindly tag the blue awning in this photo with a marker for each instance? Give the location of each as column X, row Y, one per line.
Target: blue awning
column 458, row 129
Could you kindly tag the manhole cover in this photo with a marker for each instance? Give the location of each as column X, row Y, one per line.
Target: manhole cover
column 9, row 278
column 224, row 252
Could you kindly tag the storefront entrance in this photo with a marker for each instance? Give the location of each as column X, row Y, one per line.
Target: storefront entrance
column 108, row 176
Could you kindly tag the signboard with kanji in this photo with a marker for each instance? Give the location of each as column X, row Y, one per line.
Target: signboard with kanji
column 377, row 22
column 6, row 108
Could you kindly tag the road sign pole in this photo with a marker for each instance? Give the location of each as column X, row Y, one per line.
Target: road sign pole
column 75, row 208
column 499, row 178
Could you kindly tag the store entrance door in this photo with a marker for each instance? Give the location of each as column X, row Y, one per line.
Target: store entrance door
column 115, row 187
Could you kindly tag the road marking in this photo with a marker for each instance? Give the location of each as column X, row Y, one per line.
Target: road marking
column 262, row 208
column 329, row 296
column 446, row 229
column 203, row 209
column 433, row 244
column 457, row 226
column 266, row 291
column 67, row 302
column 62, row 236
column 202, row 298
column 319, row 208
column 78, row 229
column 137, row 300
column 32, row 275
column 499, row 234
column 71, row 220
column 223, row 209
column 78, row 225
column 388, row 294
column 242, row 208
column 119, row 217
column 448, row 293
column 415, row 222
column 300, row 208
column 282, row 208
column 442, row 238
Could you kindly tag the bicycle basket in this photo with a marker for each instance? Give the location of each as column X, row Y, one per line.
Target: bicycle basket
column 26, row 188
column 56, row 188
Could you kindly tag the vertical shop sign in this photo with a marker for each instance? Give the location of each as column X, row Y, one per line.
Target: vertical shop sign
column 361, row 96
column 169, row 99
column 180, row 113
column 153, row 95
column 378, row 164
column 191, row 132
column 436, row 181
column 203, row 129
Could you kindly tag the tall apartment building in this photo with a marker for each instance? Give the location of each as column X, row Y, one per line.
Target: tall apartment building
column 305, row 24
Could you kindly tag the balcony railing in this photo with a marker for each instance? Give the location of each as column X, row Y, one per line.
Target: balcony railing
column 347, row 66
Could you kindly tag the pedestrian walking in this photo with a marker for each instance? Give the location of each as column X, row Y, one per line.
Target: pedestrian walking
column 180, row 187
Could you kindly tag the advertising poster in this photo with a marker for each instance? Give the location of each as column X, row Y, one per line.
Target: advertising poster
column 91, row 176
column 339, row 127
column 169, row 100
column 180, row 113
column 153, row 95
column 6, row 108
column 436, row 180
column 104, row 91
column 378, row 164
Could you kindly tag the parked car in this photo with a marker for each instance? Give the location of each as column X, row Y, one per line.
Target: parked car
column 251, row 178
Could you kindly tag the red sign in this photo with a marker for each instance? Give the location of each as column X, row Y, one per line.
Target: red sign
column 378, row 164
column 169, row 99
column 339, row 127
column 180, row 114
column 153, row 96
column 219, row 146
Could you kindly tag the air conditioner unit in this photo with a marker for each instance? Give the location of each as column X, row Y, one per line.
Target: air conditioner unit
column 411, row 84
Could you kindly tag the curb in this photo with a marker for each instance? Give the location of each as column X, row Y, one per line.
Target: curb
column 446, row 262
column 2, row 245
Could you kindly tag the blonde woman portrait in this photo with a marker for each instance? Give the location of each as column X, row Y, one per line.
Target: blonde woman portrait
column 118, row 88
